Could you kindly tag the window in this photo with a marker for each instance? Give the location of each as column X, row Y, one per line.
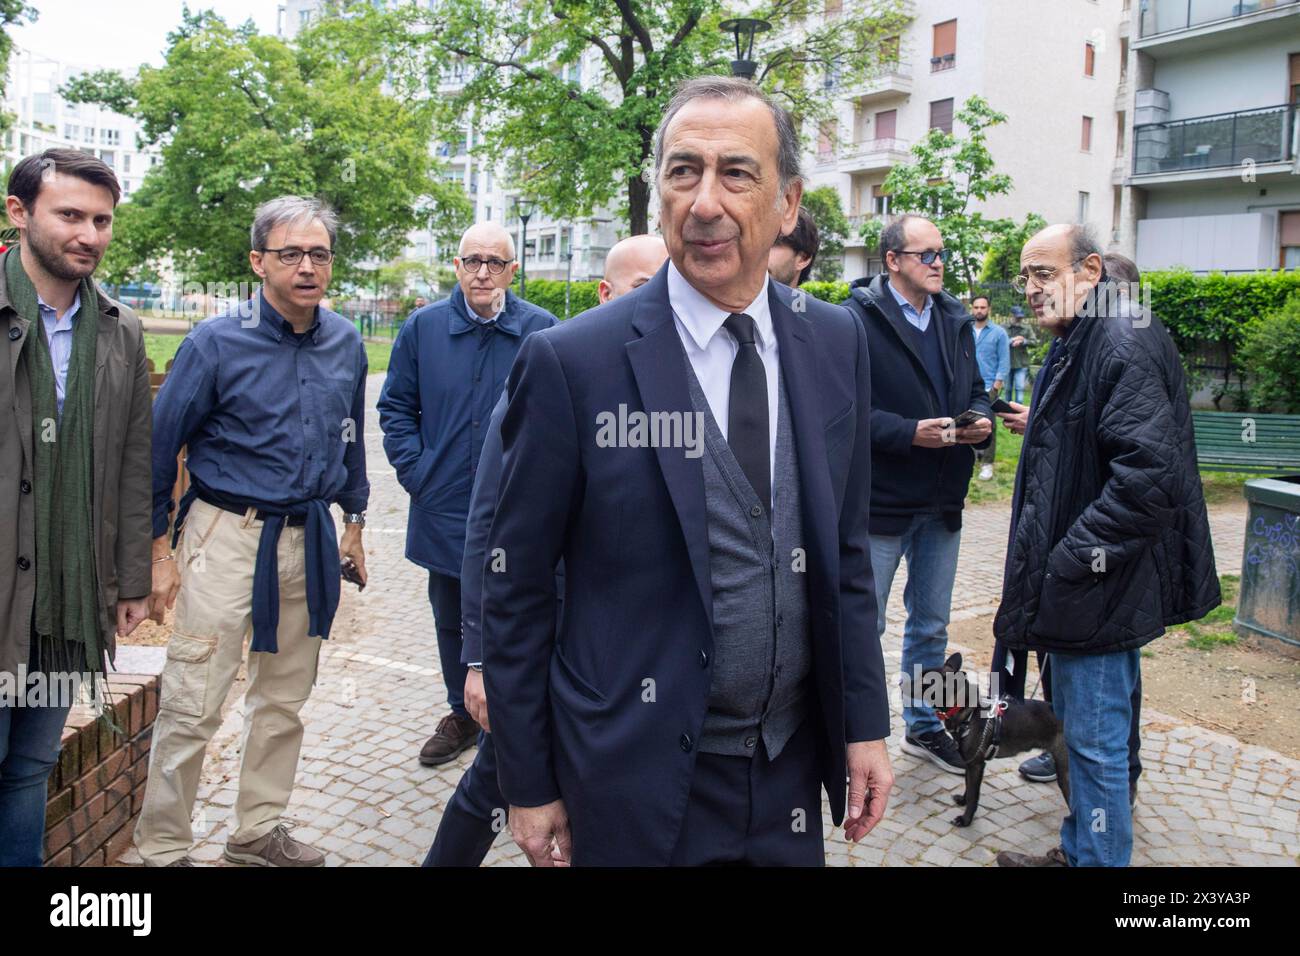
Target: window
column 71, row 131
column 833, row 8
column 1295, row 78
column 889, row 52
column 825, row 139
column 879, row 201
column 887, row 124
column 1290, row 230
column 126, row 162
column 110, row 137
column 548, row 247
column 1123, row 59
column 1089, row 59
column 1119, row 134
column 1116, row 207
column 943, row 55
column 1082, row 216
column 941, row 115
column 1085, row 140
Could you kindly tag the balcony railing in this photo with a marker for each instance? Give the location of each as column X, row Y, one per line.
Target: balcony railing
column 871, row 150
column 1265, row 135
column 1166, row 16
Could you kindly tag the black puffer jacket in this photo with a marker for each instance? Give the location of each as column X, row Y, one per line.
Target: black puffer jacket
column 1111, row 542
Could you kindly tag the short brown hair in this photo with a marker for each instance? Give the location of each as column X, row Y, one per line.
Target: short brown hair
column 26, row 178
column 803, row 239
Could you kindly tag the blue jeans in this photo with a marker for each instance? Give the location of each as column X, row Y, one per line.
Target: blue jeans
column 931, row 552
column 444, row 595
column 29, row 749
column 1019, row 384
column 1093, row 696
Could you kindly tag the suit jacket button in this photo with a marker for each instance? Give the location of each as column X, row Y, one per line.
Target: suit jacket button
column 756, row 510
column 750, row 742
column 704, row 657
column 686, row 742
column 15, row 334
column 25, row 486
column 23, row 563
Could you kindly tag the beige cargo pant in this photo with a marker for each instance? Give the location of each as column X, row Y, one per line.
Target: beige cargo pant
column 216, row 555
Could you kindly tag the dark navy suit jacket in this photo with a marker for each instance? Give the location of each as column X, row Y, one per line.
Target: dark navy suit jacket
column 605, row 713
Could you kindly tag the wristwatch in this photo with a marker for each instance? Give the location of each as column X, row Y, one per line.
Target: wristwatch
column 358, row 518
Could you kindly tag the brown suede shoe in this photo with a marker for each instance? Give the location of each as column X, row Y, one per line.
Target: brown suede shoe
column 1054, row 857
column 276, row 848
column 453, row 736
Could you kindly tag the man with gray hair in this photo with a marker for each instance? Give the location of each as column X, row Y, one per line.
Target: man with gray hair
column 269, row 401
column 715, row 665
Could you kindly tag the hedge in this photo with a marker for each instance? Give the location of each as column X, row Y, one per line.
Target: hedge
column 549, row 294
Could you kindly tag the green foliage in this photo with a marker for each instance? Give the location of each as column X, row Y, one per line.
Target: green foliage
column 242, row 118
column 1002, row 261
column 1270, row 352
column 946, row 176
column 581, row 146
column 549, row 294
column 833, row 292
column 832, row 229
column 11, row 12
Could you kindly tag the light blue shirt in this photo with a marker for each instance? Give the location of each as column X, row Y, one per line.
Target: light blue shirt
column 58, row 331
column 920, row 319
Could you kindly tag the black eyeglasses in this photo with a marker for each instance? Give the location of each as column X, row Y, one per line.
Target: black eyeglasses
column 928, row 256
column 291, row 256
column 495, row 266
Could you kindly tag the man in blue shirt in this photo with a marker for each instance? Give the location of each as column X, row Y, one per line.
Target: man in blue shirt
column 993, row 351
column 447, row 370
column 269, row 401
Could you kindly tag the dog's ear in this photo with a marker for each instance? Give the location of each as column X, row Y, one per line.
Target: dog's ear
column 953, row 664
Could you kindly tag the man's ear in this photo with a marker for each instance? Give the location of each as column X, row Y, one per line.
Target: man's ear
column 801, row 259
column 603, row 290
column 793, row 196
column 255, row 260
column 17, row 212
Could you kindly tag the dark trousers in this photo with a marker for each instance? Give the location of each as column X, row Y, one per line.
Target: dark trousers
column 474, row 815
column 754, row 811
column 1015, row 686
column 444, row 595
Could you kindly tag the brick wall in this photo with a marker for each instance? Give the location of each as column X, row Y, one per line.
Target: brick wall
column 97, row 788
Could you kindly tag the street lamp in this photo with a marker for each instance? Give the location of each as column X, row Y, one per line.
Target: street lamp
column 745, row 30
column 524, row 210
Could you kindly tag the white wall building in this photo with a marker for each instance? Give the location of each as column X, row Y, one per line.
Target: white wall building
column 1054, row 67
column 1214, row 177
column 45, row 120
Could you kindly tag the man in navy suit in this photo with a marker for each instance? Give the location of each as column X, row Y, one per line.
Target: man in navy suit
column 698, row 454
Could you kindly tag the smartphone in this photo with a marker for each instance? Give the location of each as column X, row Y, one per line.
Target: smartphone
column 348, row 571
column 968, row 417
column 999, row 405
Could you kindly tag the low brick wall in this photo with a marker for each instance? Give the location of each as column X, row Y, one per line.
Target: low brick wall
column 97, row 789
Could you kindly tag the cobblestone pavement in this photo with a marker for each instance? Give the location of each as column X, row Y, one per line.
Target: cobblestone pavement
column 1205, row 798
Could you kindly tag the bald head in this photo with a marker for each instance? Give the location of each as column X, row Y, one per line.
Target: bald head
column 631, row 263
column 1062, row 265
column 488, row 239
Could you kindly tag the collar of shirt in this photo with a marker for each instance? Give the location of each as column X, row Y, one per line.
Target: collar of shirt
column 702, row 319
column 61, row 322
column 920, row 319
column 463, row 318
column 277, row 326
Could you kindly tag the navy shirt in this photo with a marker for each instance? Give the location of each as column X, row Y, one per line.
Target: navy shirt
column 447, row 371
column 269, row 417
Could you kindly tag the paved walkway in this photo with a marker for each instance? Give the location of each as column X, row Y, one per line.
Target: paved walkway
column 1205, row 798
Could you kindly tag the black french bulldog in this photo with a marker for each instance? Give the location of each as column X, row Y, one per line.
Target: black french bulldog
column 1001, row 728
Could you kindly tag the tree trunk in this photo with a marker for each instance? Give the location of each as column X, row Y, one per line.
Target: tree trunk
column 638, row 205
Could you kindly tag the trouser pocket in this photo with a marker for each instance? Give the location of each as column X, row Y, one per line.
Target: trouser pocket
column 185, row 678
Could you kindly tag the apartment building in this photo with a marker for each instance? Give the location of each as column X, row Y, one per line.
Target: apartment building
column 1056, row 68
column 1213, row 181
column 44, row 120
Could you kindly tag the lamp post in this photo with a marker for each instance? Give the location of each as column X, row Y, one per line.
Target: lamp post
column 524, row 209
column 568, row 272
column 744, row 29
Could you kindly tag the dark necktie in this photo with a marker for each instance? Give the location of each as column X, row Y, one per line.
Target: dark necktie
column 747, row 426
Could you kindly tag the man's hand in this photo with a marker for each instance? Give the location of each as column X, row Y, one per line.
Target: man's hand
column 350, row 547
column 543, row 833
column 1016, row 420
column 930, row 433
column 131, row 613
column 996, row 390
column 166, row 580
column 870, row 780
column 974, row 433
column 476, row 698
column 1018, row 341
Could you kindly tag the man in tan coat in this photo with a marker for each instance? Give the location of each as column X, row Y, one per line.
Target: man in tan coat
column 74, row 473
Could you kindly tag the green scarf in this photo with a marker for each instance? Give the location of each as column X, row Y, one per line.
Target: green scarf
column 66, row 615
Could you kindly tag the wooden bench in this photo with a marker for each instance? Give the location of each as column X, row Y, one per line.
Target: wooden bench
column 1247, row 441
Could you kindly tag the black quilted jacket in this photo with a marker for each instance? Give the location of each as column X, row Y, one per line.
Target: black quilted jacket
column 1111, row 542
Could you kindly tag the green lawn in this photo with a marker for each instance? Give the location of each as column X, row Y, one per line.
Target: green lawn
column 1215, row 629
column 161, row 348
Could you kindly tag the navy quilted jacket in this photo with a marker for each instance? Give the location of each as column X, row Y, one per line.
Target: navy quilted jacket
column 1111, row 542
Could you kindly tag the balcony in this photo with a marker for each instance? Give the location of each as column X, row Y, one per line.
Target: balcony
column 894, row 79
column 856, row 222
column 1222, row 146
column 872, row 155
column 1188, row 26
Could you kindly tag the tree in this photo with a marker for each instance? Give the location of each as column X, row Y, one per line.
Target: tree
column 11, row 12
column 1002, row 262
column 832, row 229
column 582, row 143
column 242, row 118
column 946, row 176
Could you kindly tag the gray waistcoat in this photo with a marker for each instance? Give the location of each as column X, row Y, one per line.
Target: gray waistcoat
column 762, row 649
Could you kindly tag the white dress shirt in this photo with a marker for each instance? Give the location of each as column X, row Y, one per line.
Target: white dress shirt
column 58, row 331
column 711, row 350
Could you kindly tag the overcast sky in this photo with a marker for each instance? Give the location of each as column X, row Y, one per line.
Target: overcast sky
column 122, row 33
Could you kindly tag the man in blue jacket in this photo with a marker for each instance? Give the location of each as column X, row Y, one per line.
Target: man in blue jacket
column 923, row 375
column 448, row 368
column 993, row 350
